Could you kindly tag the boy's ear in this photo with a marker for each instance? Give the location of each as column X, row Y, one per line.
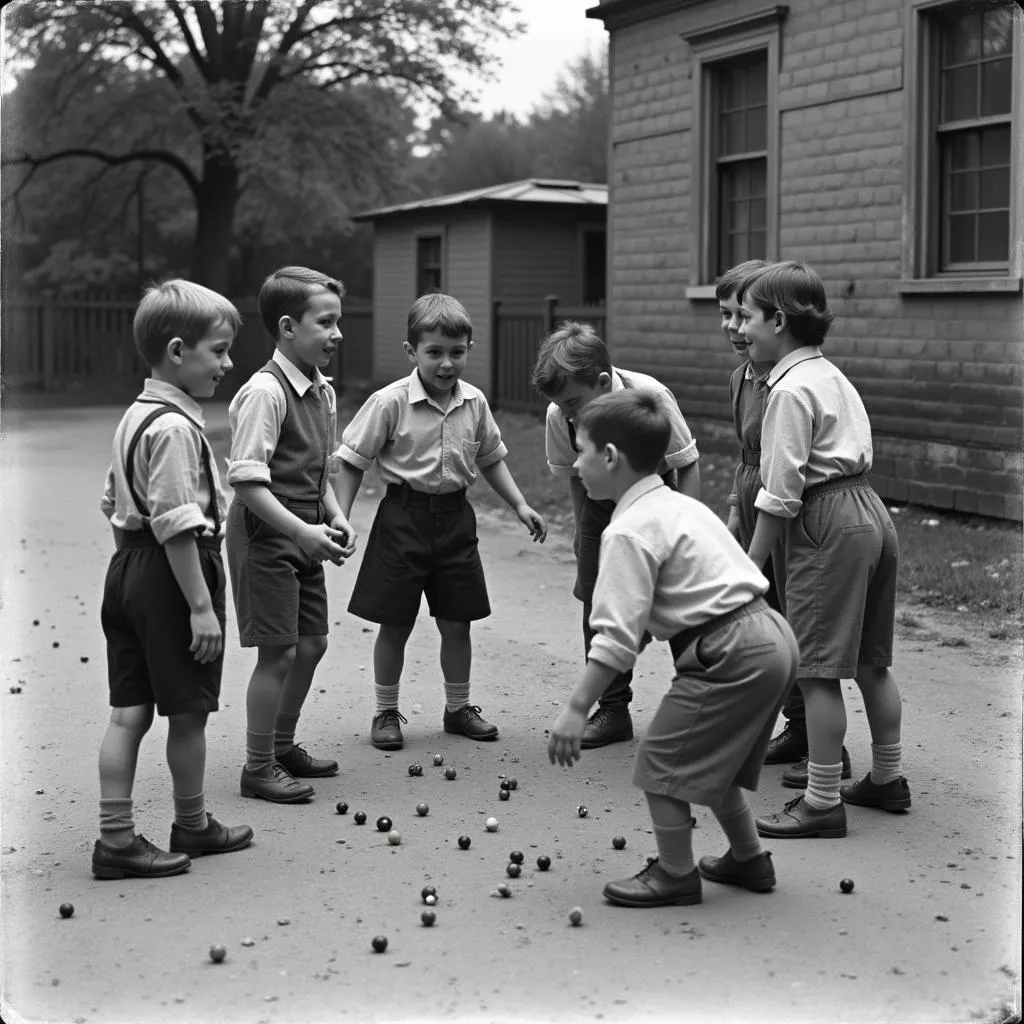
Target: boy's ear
column 284, row 325
column 781, row 321
column 174, row 349
column 604, row 381
column 611, row 456
column 409, row 351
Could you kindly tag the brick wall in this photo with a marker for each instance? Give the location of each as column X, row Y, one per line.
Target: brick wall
column 940, row 375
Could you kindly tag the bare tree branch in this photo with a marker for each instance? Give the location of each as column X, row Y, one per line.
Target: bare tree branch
column 288, row 39
column 211, row 37
column 201, row 63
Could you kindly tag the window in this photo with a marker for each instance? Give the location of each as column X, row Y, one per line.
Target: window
column 429, row 264
column 964, row 118
column 595, row 267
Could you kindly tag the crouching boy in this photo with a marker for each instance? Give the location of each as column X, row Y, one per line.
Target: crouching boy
column 669, row 566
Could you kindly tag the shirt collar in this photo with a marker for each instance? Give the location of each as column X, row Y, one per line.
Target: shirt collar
column 788, row 361
column 418, row 393
column 643, row 486
column 160, row 389
column 298, row 380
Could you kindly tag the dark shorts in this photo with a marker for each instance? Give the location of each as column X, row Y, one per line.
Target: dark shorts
column 712, row 728
column 148, row 626
column 421, row 544
column 280, row 593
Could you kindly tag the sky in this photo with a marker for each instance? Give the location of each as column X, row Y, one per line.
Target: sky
column 557, row 32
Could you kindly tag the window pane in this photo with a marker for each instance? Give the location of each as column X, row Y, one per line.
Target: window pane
column 757, row 80
column 732, row 134
column 998, row 38
column 758, row 178
column 960, row 238
column 758, row 213
column 963, row 192
column 733, row 89
column 995, row 147
column 995, row 189
column 996, row 87
column 994, row 237
column 757, row 129
column 960, row 93
column 962, row 40
column 758, row 247
column 740, row 217
column 963, row 150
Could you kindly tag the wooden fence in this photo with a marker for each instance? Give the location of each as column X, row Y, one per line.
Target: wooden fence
column 517, row 331
column 55, row 343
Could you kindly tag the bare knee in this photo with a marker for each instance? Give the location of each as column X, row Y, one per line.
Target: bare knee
column 870, row 675
column 392, row 635
column 276, row 661
column 136, row 719
column 453, row 632
column 188, row 723
column 311, row 648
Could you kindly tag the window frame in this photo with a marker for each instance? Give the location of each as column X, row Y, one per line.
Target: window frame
column 583, row 232
column 421, row 235
column 921, row 259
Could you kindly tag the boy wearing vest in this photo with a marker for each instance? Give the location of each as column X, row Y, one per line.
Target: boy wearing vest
column 283, row 524
column 572, row 369
column 163, row 598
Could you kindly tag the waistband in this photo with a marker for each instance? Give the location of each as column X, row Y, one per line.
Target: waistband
column 147, row 539
column 403, row 494
column 751, row 456
column 683, row 639
column 838, row 483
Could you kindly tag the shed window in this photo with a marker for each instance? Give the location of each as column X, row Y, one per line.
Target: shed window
column 429, row 276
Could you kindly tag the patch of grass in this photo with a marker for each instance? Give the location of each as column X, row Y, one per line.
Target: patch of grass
column 907, row 620
column 953, row 641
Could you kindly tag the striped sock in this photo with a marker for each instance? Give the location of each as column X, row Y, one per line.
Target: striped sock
column 886, row 762
column 259, row 750
column 116, row 823
column 675, row 848
column 387, row 697
column 284, row 732
column 456, row 695
column 823, row 785
column 190, row 811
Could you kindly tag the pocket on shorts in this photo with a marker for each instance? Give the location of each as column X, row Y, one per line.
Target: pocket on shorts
column 862, row 528
column 810, row 523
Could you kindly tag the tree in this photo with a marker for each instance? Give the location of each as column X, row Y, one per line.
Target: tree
column 237, row 94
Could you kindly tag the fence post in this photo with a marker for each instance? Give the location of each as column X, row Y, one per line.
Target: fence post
column 495, row 352
column 48, row 362
column 550, row 305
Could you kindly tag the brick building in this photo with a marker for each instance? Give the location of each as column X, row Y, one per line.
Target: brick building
column 881, row 141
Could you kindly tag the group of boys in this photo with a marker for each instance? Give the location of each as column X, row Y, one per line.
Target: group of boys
column 652, row 561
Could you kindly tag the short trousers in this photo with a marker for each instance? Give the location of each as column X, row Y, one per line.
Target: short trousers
column 148, row 627
column 421, row 544
column 712, row 728
column 841, row 565
column 280, row 593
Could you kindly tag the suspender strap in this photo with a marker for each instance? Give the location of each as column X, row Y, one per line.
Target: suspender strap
column 162, row 408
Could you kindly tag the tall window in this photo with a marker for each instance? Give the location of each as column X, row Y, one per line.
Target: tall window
column 429, row 275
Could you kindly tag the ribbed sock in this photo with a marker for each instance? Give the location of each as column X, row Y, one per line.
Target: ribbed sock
column 741, row 831
column 387, row 697
column 284, row 732
column 259, row 750
column 116, row 823
column 886, row 762
column 675, row 848
column 456, row 695
column 823, row 785
column 190, row 811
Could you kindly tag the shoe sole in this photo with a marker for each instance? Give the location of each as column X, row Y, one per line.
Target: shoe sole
column 802, row 784
column 388, row 744
column 758, row 885
column 594, row 744
column 254, row 794
column 311, row 775
column 821, row 833
column 222, row 849
column 483, row 739
column 892, row 806
column 678, row 901
column 110, row 873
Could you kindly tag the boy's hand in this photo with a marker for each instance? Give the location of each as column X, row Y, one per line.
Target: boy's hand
column 207, row 636
column 566, row 733
column 319, row 543
column 533, row 521
column 733, row 524
column 347, row 540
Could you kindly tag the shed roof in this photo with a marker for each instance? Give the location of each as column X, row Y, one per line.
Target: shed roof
column 529, row 190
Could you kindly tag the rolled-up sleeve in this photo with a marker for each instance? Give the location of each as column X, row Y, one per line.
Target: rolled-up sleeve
column 171, row 492
column 622, row 600
column 256, row 415
column 492, row 448
column 786, row 435
column 365, row 435
column 682, row 448
column 558, row 448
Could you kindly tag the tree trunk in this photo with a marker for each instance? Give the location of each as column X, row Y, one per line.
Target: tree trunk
column 215, row 224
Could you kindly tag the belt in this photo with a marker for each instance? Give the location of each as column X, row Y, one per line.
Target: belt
column 837, row 483
column 146, row 539
column 403, row 494
column 751, row 456
column 683, row 639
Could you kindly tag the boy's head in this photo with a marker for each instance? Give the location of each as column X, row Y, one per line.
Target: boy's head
column 439, row 336
column 783, row 308
column 573, row 368
column 183, row 332
column 621, row 437
column 301, row 308
column 727, row 293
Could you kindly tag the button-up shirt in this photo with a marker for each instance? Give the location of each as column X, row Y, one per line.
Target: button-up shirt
column 257, row 412
column 414, row 441
column 668, row 563
column 815, row 428
column 169, row 472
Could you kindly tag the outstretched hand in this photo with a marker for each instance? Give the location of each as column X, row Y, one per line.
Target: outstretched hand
column 533, row 521
column 565, row 737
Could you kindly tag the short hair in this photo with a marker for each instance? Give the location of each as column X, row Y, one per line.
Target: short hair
column 796, row 290
column 632, row 421
column 573, row 352
column 438, row 312
column 287, row 292
column 733, row 279
column 176, row 308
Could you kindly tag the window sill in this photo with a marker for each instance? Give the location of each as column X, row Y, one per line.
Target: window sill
column 700, row 293
column 960, row 286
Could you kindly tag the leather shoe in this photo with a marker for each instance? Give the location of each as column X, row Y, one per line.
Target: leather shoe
column 891, row 796
column 655, row 887
column 467, row 722
column 139, row 859
column 786, row 748
column 796, row 777
column 385, row 732
column 756, row 874
column 215, row 838
column 300, row 764
column 797, row 820
column 607, row 725
column 273, row 783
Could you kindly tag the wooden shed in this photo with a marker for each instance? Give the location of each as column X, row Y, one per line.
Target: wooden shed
column 515, row 244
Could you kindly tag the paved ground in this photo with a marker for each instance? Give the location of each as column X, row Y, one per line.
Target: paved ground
column 931, row 932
